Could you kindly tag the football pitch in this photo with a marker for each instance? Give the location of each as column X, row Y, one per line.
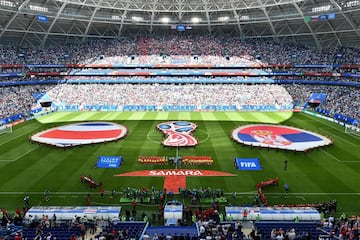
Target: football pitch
column 320, row 175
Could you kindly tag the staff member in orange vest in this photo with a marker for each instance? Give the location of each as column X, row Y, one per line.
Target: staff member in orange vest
column 245, row 213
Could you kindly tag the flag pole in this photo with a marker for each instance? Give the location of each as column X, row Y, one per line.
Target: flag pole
column 177, row 156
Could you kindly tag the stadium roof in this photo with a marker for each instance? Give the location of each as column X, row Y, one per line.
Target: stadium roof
column 316, row 23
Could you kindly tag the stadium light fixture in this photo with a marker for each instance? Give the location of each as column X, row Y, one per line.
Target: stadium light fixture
column 244, row 17
column 164, row 19
column 354, row 3
column 38, row 8
column 7, row 3
column 223, row 19
column 195, row 20
column 115, row 17
column 137, row 19
column 321, row 9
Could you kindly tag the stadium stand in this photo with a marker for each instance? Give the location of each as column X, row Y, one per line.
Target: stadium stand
column 132, row 230
column 135, row 50
column 19, row 85
column 304, row 230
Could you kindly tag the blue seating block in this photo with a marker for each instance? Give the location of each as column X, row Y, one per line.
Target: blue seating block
column 265, row 227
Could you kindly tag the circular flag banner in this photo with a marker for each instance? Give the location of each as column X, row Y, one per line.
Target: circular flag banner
column 276, row 136
column 81, row 133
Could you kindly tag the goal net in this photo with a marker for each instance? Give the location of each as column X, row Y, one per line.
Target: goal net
column 351, row 129
column 5, row 129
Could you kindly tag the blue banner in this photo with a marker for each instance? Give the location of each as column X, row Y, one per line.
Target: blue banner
column 247, row 164
column 179, row 108
column 350, row 75
column 139, row 108
column 42, row 18
column 109, row 161
column 258, row 108
column 344, row 118
column 218, row 107
column 100, row 108
column 317, row 98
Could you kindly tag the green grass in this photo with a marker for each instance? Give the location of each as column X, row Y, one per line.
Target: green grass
column 320, row 175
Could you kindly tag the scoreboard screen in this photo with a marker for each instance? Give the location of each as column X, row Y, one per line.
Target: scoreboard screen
column 42, row 18
column 331, row 15
column 181, row 27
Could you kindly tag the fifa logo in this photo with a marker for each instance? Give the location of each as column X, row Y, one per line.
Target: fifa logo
column 178, row 133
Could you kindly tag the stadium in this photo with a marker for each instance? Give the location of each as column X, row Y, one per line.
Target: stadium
column 179, row 119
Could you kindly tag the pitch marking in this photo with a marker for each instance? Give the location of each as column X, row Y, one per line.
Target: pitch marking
column 340, row 137
column 11, row 139
column 324, row 122
column 342, row 161
column 208, row 136
column 20, row 156
column 301, row 197
column 148, row 136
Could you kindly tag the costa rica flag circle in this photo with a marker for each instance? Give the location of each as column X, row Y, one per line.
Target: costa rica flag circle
column 81, row 133
column 278, row 136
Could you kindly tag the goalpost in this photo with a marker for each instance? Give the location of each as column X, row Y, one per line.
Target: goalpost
column 351, row 129
column 5, row 129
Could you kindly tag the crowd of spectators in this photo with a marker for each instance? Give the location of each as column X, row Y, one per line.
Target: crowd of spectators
column 210, row 227
column 342, row 227
column 339, row 99
column 213, row 230
column 162, row 79
column 169, row 94
column 184, row 48
column 68, row 52
column 279, row 234
column 23, row 80
column 209, row 49
column 18, row 99
column 265, row 50
column 338, row 80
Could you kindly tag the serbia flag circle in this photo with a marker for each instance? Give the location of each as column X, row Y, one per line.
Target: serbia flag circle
column 81, row 133
column 276, row 136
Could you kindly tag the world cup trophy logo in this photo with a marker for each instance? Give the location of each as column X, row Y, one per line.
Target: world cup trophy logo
column 270, row 138
column 178, row 133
